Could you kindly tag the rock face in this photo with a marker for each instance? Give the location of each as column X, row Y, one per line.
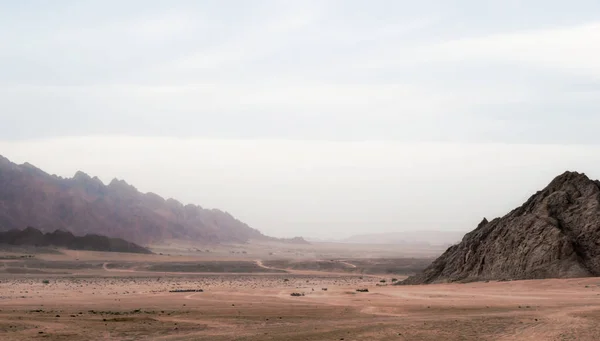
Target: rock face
column 555, row 234
column 34, row 237
column 84, row 205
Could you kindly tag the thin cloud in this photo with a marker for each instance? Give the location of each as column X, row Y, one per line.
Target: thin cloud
column 575, row 48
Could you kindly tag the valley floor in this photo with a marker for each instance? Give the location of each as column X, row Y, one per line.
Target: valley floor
column 109, row 305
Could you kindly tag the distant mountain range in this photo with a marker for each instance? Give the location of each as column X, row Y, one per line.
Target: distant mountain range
column 84, row 205
column 426, row 238
column 91, row 242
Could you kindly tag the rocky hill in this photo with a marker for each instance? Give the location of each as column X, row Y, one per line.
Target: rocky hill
column 84, row 205
column 555, row 234
column 91, row 242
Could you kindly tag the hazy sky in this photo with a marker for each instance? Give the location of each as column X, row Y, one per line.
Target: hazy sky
column 314, row 118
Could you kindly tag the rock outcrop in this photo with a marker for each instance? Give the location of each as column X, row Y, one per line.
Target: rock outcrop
column 91, row 242
column 84, row 205
column 555, row 234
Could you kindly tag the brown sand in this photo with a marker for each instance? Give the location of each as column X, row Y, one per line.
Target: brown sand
column 248, row 307
column 107, row 304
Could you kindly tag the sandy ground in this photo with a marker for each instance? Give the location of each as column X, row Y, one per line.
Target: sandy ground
column 74, row 295
column 273, row 250
column 117, row 306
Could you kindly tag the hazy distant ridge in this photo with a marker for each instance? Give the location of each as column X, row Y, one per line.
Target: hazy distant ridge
column 408, row 237
column 84, row 205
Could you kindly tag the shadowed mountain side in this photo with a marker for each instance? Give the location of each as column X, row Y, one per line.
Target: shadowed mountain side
column 555, row 234
column 84, row 205
column 91, row 242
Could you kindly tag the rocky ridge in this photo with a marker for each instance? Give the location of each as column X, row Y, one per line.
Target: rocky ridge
column 84, row 205
column 555, row 234
column 91, row 242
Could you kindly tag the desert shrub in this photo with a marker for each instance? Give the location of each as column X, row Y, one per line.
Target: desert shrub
column 46, row 281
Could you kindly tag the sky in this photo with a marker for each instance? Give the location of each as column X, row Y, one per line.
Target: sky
column 316, row 118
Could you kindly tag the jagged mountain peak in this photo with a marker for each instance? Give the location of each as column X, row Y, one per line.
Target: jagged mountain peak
column 116, row 183
column 82, row 177
column 570, row 176
column 4, row 160
column 31, row 169
column 79, row 175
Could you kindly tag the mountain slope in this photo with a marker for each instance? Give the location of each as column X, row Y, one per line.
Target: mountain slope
column 556, row 233
column 84, row 205
column 91, row 242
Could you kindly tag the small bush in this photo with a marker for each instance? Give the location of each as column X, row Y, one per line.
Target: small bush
column 186, row 290
column 46, row 281
column 394, row 280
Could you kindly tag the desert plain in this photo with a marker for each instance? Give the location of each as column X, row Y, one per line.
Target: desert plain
column 246, row 294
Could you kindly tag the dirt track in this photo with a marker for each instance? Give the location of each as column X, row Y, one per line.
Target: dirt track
column 251, row 307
